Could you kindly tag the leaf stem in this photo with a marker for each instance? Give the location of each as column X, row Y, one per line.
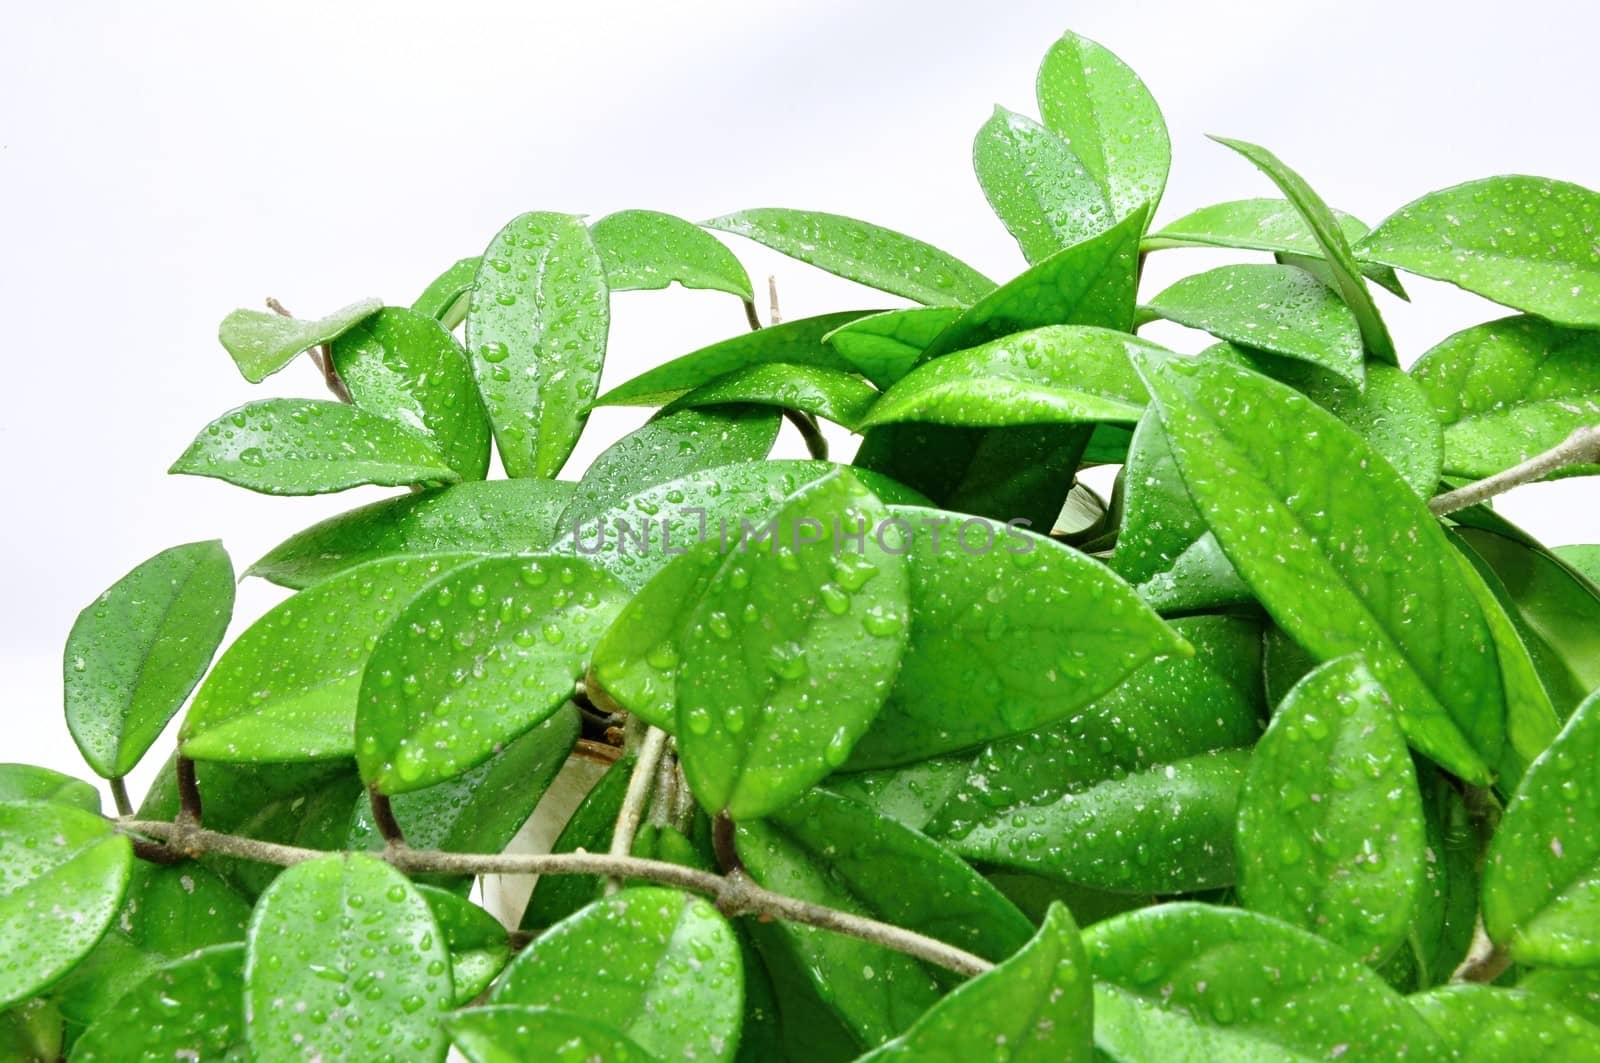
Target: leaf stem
column 189, row 807
column 119, row 794
column 651, row 747
column 383, row 818
column 1485, row 960
column 810, row 431
column 1582, row 447
column 751, row 316
column 322, row 355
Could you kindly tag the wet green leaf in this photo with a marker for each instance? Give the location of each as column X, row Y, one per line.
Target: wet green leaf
column 1488, row 1024
column 447, row 297
column 62, row 875
column 884, row 347
column 1525, row 242
column 821, row 623
column 1274, row 308
column 1344, row 563
column 349, row 939
column 478, row 945
column 190, row 1008
column 1196, row 981
column 1037, row 186
column 1576, row 989
column 137, row 650
column 1583, row 559
column 830, row 394
column 477, row 658
column 25, row 782
column 645, row 250
column 657, row 966
column 860, row 251
column 508, row 1034
column 536, row 332
column 32, row 1032
column 1093, row 101
column 1509, row 389
column 1053, row 375
column 1540, row 895
column 1331, row 833
column 234, row 792
column 287, row 688
column 311, row 447
column 261, row 343
column 1330, row 239
column 406, row 366
column 590, row 828
column 494, row 517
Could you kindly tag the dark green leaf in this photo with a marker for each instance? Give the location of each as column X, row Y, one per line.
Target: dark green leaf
column 262, row 343
column 234, row 792
column 1584, row 559
column 807, row 1027
column 345, row 938
column 446, row 299
column 830, row 394
column 1038, row 187
column 191, row 1008
column 590, row 827
column 478, row 945
column 137, row 650
column 311, row 447
column 536, row 331
column 884, row 347
column 24, row 782
column 1487, row 1024
column 507, row 1034
column 32, row 1032
column 860, row 251
column 645, row 249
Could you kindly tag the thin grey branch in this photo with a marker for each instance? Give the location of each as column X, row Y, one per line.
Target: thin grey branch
column 629, row 816
column 1582, row 447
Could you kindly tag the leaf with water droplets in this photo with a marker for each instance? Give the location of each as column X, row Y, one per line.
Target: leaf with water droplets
column 1036, row 1007
column 1037, row 186
column 1582, row 558
column 589, row 829
column 446, row 298
column 25, row 782
column 311, row 447
column 1540, row 895
column 190, row 1008
column 647, row 250
column 344, row 959
column 1345, row 563
column 831, row 394
column 1330, row 239
column 536, row 332
column 1108, row 118
column 478, row 945
column 1491, row 1024
column 137, row 650
column 62, row 875
column 884, row 347
column 478, row 657
column 1510, row 389
column 510, row 1034
column 1060, row 374
column 406, row 366
column 1274, row 308
column 1197, row 981
column 1525, row 242
column 792, row 649
column 480, row 517
column 659, row 967
column 287, row 688
column 1330, row 831
column 261, row 343
column 797, row 342
column 1576, row 989
column 1009, row 632
column 862, row 252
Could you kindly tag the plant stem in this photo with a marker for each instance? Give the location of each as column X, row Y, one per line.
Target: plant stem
column 639, row 784
column 751, row 316
column 1485, row 960
column 322, row 355
column 735, row 894
column 1582, row 447
column 774, row 315
column 816, row 442
column 119, row 794
column 383, row 818
column 189, row 806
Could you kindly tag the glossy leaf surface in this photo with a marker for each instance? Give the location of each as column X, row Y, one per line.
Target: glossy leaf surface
column 830, row 394
column 646, row 249
column 511, row 1034
column 25, row 782
column 1488, row 1024
column 884, row 347
column 1041, row 191
column 191, row 1008
column 445, row 299
column 478, row 945
column 590, row 827
column 262, row 342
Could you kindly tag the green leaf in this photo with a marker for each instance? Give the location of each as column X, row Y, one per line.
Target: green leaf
column 311, row 447
column 1060, row 374
column 62, row 875
column 657, row 966
column 191, row 1008
column 138, row 649
column 406, row 366
column 1488, row 1024
column 1330, row 239
column 1577, row 990
column 647, row 250
column 862, row 252
column 262, row 343
column 287, row 688
column 446, row 298
column 494, row 517
column 763, row 716
column 1525, row 242
column 1583, row 559
column 478, row 657
column 1274, row 308
column 1040, row 190
column 884, row 347
column 25, row 782
column 1510, row 389
column 32, row 1032
column 478, row 945
column 830, row 394
column 1330, row 833
column 1196, row 981
column 536, row 331
column 590, row 827
column 1004, row 637
column 1104, row 112
column 347, row 938
column 1344, row 563
column 1540, row 895
column 506, row 1034
column 798, row 342
column 1036, row 1007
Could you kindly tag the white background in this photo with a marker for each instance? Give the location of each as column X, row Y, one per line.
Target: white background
column 161, row 164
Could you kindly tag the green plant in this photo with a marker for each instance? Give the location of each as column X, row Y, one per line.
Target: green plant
column 1299, row 730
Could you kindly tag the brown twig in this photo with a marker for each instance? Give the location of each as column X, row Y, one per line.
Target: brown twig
column 1582, row 447
column 383, row 818
column 189, row 806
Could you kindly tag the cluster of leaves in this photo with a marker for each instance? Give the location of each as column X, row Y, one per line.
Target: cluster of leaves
column 1290, row 747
